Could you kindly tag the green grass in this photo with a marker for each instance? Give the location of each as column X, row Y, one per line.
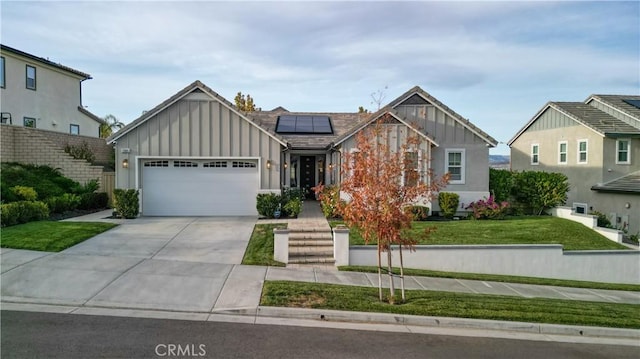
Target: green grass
column 501, row 278
column 260, row 248
column 49, row 236
column 518, row 230
column 446, row 304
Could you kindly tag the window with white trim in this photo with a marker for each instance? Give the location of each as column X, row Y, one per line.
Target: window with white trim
column 156, row 164
column 411, row 172
column 31, row 77
column 562, row 152
column 242, row 164
column 623, row 151
column 29, row 122
column 583, row 146
column 454, row 165
column 74, row 129
column 216, row 164
column 535, row 154
column 184, row 164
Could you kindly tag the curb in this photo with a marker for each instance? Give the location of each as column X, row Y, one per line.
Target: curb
column 446, row 322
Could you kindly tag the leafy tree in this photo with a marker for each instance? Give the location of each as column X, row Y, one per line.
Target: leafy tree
column 245, row 103
column 110, row 123
column 382, row 183
column 540, row 190
column 362, row 110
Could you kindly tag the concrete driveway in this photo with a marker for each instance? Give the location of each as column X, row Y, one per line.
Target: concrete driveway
column 190, row 239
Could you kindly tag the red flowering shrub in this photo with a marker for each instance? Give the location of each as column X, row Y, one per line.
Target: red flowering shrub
column 488, row 209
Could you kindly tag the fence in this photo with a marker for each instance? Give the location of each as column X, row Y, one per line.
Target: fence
column 108, row 183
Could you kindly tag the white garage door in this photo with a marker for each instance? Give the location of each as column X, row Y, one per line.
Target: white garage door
column 199, row 187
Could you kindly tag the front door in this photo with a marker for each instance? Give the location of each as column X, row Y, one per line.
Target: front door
column 308, row 175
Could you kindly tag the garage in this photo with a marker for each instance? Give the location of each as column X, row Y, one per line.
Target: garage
column 199, row 187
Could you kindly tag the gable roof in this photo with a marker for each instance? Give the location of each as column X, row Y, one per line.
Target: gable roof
column 90, row 115
column 617, row 102
column 598, row 121
column 374, row 117
column 410, row 97
column 627, row 184
column 194, row 86
column 44, row 61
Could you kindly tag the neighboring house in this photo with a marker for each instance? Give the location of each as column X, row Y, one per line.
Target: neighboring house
column 36, row 92
column 196, row 154
column 596, row 143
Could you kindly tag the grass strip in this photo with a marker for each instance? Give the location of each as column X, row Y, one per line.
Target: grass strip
column 50, row 236
column 260, row 248
column 447, row 304
column 500, row 278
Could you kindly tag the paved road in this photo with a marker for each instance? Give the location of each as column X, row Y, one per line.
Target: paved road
column 46, row 335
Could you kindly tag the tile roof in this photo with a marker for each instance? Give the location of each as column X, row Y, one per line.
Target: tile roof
column 617, row 102
column 594, row 118
column 627, row 184
column 45, row 61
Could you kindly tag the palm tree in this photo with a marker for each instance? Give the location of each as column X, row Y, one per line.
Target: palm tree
column 110, row 123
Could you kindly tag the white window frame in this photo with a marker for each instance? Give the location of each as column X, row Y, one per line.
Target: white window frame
column 537, row 155
column 35, row 78
column 560, row 153
column 462, row 163
column 579, row 152
column 628, row 161
column 418, row 168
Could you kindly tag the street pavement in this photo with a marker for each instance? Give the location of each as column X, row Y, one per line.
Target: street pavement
column 188, row 268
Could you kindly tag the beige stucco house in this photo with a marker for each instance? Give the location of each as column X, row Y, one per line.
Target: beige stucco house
column 36, row 92
column 596, row 143
column 197, row 154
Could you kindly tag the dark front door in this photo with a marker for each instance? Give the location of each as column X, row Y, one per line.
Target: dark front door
column 308, row 175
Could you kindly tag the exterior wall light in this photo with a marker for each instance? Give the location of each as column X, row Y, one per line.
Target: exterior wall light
column 268, row 164
column 627, row 205
column 330, row 166
column 286, row 165
column 125, row 163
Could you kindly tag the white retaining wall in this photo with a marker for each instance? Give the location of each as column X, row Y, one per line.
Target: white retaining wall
column 588, row 220
column 545, row 261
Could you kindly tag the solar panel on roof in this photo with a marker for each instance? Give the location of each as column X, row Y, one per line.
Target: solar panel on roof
column 304, row 124
column 635, row 103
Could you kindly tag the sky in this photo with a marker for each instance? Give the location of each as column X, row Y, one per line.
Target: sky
column 494, row 63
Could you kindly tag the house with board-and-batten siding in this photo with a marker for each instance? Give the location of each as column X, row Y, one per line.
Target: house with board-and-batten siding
column 596, row 143
column 197, row 154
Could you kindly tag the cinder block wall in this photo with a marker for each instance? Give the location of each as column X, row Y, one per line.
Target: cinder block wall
column 98, row 146
column 27, row 145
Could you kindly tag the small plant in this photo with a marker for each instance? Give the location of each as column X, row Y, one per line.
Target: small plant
column 603, row 221
column 488, row 209
column 64, row 203
column 81, row 152
column 293, row 207
column 419, row 213
column 329, row 201
column 24, row 193
column 267, row 204
column 448, row 203
column 126, row 203
column 93, row 200
column 22, row 212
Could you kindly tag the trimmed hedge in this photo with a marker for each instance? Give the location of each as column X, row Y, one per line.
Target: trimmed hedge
column 448, row 202
column 126, row 203
column 94, row 200
column 22, row 212
column 64, row 203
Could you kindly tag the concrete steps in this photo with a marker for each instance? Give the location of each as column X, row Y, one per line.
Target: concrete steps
column 311, row 245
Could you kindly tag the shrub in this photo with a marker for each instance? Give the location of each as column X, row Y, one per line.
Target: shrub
column 24, row 193
column 291, row 193
column 419, row 213
column 22, row 212
column 80, row 152
column 125, row 203
column 603, row 221
column 538, row 191
column 293, row 207
column 46, row 181
column 268, row 203
column 329, row 201
column 488, row 209
column 93, row 200
column 89, row 187
column 64, row 203
column 448, row 203
column 501, row 184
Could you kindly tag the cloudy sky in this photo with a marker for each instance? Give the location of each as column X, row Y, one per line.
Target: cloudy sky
column 495, row 63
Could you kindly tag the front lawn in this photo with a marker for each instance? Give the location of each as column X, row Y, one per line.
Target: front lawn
column 50, row 236
column 260, row 248
column 517, row 230
column 446, row 304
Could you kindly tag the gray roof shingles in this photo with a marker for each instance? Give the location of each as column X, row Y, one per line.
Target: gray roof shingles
column 617, row 101
column 627, row 184
column 595, row 119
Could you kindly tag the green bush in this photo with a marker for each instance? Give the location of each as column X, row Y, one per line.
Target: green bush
column 329, row 201
column 293, row 207
column 64, row 203
column 80, row 152
column 46, row 181
column 488, row 209
column 22, row 212
column 537, row 191
column 501, row 184
column 291, row 193
column 448, row 203
column 24, row 193
column 125, row 202
column 94, row 200
column 603, row 221
column 419, row 213
column 268, row 203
